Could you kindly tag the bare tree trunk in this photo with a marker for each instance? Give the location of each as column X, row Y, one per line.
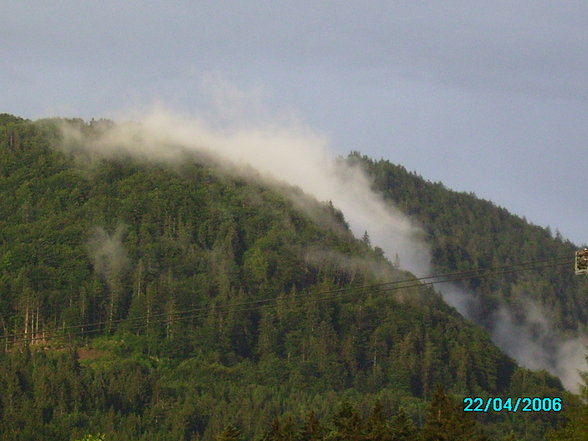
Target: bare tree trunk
column 5, row 334
column 110, row 315
column 37, row 325
column 26, row 324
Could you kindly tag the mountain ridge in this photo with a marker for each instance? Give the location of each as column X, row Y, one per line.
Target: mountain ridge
column 125, row 239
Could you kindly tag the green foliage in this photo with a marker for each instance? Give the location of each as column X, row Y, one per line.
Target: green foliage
column 403, row 428
column 469, row 233
column 97, row 437
column 575, row 425
column 443, row 422
column 575, row 428
column 230, row 433
column 446, row 421
column 191, row 302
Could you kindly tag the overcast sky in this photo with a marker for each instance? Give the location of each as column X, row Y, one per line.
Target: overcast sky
column 485, row 96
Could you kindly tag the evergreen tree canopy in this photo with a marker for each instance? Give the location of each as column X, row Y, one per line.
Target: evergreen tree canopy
column 149, row 302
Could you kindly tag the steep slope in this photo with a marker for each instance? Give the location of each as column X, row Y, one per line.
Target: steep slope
column 546, row 308
column 466, row 232
column 199, row 299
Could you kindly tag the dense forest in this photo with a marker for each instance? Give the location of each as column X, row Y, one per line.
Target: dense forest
column 148, row 302
column 466, row 232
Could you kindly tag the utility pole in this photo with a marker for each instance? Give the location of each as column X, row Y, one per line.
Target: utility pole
column 581, row 263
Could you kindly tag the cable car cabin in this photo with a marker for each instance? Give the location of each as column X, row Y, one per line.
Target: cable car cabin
column 581, row 265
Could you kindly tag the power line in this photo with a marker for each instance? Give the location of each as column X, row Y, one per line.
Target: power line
column 252, row 305
column 384, row 287
column 377, row 287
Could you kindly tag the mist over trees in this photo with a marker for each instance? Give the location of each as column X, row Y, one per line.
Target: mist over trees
column 151, row 302
column 466, row 232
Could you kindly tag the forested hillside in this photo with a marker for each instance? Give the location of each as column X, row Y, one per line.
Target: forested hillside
column 466, row 232
column 155, row 303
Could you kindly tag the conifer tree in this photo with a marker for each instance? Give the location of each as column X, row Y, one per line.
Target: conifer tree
column 377, row 429
column 281, row 431
column 230, row 433
column 446, row 421
column 348, row 425
column 403, row 428
column 312, row 430
column 576, row 426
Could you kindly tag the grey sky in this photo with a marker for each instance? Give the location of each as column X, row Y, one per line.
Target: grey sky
column 486, row 96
